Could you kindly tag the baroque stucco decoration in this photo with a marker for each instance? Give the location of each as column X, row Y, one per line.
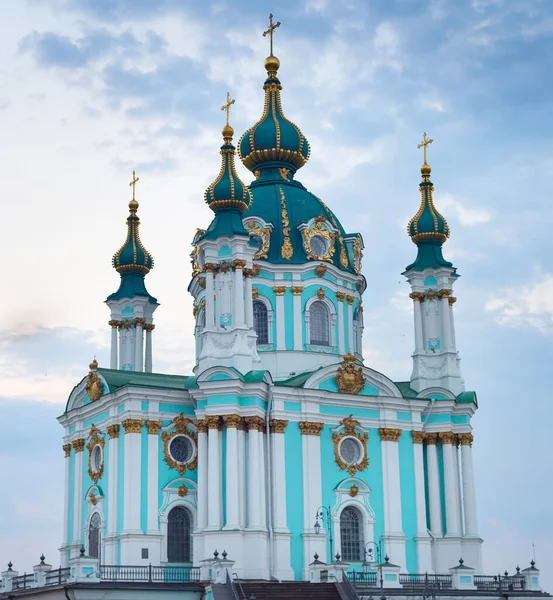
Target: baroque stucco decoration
column 350, row 379
column 181, row 428
column 95, row 440
column 94, row 387
column 349, row 428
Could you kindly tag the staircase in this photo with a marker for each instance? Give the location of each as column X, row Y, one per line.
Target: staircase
column 293, row 590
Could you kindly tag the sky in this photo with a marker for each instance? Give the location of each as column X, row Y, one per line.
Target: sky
column 92, row 89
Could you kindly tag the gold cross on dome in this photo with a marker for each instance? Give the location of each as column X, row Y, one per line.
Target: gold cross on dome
column 133, row 183
column 424, row 144
column 271, row 30
column 228, row 105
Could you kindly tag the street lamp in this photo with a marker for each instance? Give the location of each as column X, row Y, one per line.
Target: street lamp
column 323, row 512
column 368, row 551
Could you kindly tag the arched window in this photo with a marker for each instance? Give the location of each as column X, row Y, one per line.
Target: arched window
column 179, row 538
column 351, row 534
column 94, row 529
column 319, row 330
column 261, row 322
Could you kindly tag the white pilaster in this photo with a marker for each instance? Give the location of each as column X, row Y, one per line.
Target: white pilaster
column 457, row 477
column 469, row 495
column 122, row 341
column 416, row 297
column 138, row 347
column 131, row 476
column 249, row 299
column 209, row 299
column 220, row 301
column 113, row 353
column 113, row 451
column 148, row 360
column 298, row 321
column 66, row 495
column 241, row 435
column 424, row 549
column 444, row 323
column 263, row 490
column 453, row 527
column 232, row 480
column 78, row 447
column 434, row 503
column 213, row 474
column 153, row 477
column 254, row 472
column 280, row 319
column 203, row 490
column 341, row 330
column 238, row 316
column 349, row 324
column 393, row 536
column 279, row 475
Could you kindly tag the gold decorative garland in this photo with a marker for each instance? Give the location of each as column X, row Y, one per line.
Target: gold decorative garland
column 286, row 251
column 181, row 424
column 318, row 229
column 264, row 234
column 95, row 440
column 350, row 426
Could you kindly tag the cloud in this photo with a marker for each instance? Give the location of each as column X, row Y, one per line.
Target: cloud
column 467, row 215
column 525, row 306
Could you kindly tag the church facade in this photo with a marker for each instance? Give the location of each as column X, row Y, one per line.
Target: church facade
column 282, row 443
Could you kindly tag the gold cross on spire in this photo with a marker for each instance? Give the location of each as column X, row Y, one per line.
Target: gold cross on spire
column 424, row 144
column 133, row 183
column 227, row 106
column 271, row 30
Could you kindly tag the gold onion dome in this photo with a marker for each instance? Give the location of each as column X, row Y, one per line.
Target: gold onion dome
column 132, row 256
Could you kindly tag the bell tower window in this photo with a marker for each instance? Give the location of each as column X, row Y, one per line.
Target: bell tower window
column 319, row 324
column 261, row 322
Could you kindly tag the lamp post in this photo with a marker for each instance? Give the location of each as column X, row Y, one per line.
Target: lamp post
column 368, row 551
column 323, row 512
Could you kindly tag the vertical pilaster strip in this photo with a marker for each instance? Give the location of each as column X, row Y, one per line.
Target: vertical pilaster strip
column 444, row 319
column 241, row 436
column 239, row 316
column 148, row 328
column 263, row 493
column 280, row 318
column 152, row 525
column 232, row 480
column 121, row 346
column 424, row 554
column 298, row 321
column 254, row 425
column 340, row 296
column 453, row 528
column 213, row 474
column 434, row 503
column 469, row 495
column 131, row 476
column 279, row 474
column 248, row 274
column 417, row 298
column 66, row 494
column 138, row 345
column 113, row 448
column 451, row 302
column 203, row 490
column 457, row 477
column 209, row 297
column 78, row 446
column 113, row 353
column 349, row 324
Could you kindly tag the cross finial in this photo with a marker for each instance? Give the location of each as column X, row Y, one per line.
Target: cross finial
column 424, row 144
column 271, row 30
column 133, row 183
column 227, row 106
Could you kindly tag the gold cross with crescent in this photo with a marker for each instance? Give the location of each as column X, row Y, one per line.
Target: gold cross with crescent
column 133, row 183
column 228, row 105
column 271, row 30
column 424, row 144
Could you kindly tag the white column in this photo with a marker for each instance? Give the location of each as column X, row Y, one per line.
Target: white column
column 254, row 472
column 131, row 475
column 129, row 346
column 445, row 343
column 341, row 331
column 469, row 495
column 424, row 551
column 416, row 297
column 394, row 539
column 213, row 474
column 78, row 447
column 238, row 316
column 66, row 495
column 451, row 301
column 202, row 474
column 148, row 360
column 433, row 485
column 280, row 316
column 242, row 474
column 248, row 274
column 122, row 341
column 138, row 346
column 453, row 528
column 113, row 354
column 113, row 440
column 209, row 299
column 298, row 321
column 219, row 302
column 263, row 490
column 232, row 481
column 278, row 484
column 152, row 523
column 457, row 473
column 349, row 324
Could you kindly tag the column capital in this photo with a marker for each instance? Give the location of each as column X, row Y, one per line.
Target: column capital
column 340, row 296
column 67, row 449
column 431, row 439
column 213, row 421
column 389, row 435
column 113, row 431
column 350, row 299
column 447, row 437
column 297, row 290
column 255, row 423
column 139, row 322
column 132, row 425
column 279, row 290
column 78, row 445
column 444, row 294
column 114, row 324
column 465, row 439
column 201, row 425
column 233, row 421
column 418, row 436
column 417, row 296
column 153, row 427
column 237, row 263
column 149, row 327
column 311, row 428
column 248, row 273
column 452, row 300
column 211, row 268
column 278, row 425
column 255, row 293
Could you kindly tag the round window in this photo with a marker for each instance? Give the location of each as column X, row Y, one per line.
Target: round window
column 351, row 451
column 181, row 449
column 318, row 245
column 96, row 458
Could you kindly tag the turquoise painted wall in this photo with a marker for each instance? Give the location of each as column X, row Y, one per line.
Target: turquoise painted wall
column 331, row 386
column 294, row 494
column 346, row 411
column 408, row 499
column 292, row 406
column 96, row 420
column 176, row 409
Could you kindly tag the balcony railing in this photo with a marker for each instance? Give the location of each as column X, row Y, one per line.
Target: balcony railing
column 416, row 581
column 149, row 573
column 360, row 579
column 57, row 576
column 499, row 582
column 23, row 582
